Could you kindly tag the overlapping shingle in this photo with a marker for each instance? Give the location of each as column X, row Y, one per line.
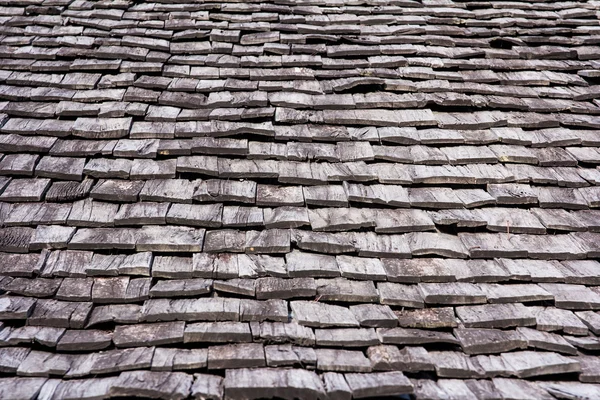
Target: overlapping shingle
column 299, row 200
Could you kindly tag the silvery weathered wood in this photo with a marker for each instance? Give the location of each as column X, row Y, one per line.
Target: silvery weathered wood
column 79, row 388
column 107, row 168
column 12, row 358
column 219, row 190
column 587, row 343
column 421, row 270
column 120, row 313
column 246, row 169
column 534, row 270
column 143, row 213
column 101, row 128
column 116, row 190
column 372, row 245
column 169, row 239
column 556, row 319
column 546, row 341
column 18, row 164
column 491, row 245
column 451, row 293
column 317, row 314
column 242, row 287
column 67, row 263
column 39, row 363
column 168, row 385
column 19, row 387
column 470, row 155
column 244, row 355
column 379, row 384
column 25, row 190
column 495, row 315
column 207, row 386
column 21, row 264
column 226, row 240
column 201, row 309
column 591, row 319
column 127, row 148
column 89, row 213
column 391, row 358
column 326, row 196
column 120, row 290
column 403, row 336
column 239, row 216
column 399, row 295
column 271, row 195
column 103, row 239
column 286, row 217
column 336, row 386
column 374, row 315
column 69, row 191
column 361, row 268
column 151, row 169
column 519, row 293
column 66, row 168
column 111, row 361
column 488, row 341
column 342, row 361
column 43, row 335
column 282, row 355
column 16, row 307
column 325, row 242
column 172, row 267
column 341, row 289
column 75, row 289
column 512, row 193
column 181, row 288
column 573, row 297
column 479, row 271
column 559, row 219
column 567, row 198
column 39, row 287
column 474, row 197
column 301, row 264
column 37, row 214
column 268, row 310
column 512, row 221
column 269, row 382
column 268, row 241
column 426, row 388
column 377, row 194
column 84, row 340
column 452, row 364
column 529, row 364
column 277, row 288
column 346, row 337
column 518, row 387
column 400, row 221
column 60, row 314
column 423, row 243
column 173, row 359
column 380, row 117
column 589, row 369
column 173, row 190
column 217, row 332
column 149, row 334
column 433, row 198
column 284, row 332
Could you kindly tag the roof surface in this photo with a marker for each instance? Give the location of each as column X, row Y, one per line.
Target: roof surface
column 299, row 199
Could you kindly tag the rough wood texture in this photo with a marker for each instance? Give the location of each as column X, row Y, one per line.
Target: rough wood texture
column 299, row 200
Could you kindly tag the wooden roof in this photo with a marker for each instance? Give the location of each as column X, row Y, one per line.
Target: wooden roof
column 316, row 199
